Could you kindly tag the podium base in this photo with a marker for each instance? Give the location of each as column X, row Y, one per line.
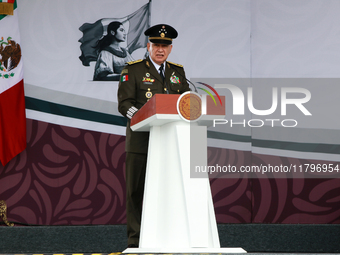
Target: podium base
column 183, row 250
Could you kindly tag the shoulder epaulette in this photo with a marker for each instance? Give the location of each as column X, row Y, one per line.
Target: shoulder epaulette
column 175, row 64
column 134, row 62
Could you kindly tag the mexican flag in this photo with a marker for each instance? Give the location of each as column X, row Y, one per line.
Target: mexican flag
column 12, row 98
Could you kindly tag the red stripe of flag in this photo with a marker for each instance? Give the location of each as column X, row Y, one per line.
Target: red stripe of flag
column 12, row 122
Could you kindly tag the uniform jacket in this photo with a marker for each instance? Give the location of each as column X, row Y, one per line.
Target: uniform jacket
column 138, row 83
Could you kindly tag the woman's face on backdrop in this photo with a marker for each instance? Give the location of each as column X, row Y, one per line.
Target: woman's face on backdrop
column 120, row 34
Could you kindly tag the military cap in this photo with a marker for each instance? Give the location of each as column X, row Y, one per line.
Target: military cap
column 161, row 33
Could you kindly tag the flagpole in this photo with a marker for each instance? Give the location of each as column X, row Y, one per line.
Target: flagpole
column 149, row 13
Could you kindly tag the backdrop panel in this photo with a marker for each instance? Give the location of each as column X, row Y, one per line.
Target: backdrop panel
column 72, row 171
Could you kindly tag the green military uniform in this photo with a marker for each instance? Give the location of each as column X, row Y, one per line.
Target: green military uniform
column 139, row 82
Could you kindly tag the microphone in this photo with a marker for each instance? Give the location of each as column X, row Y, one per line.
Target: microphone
column 175, row 69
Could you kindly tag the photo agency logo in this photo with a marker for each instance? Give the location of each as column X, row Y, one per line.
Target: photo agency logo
column 293, row 97
column 209, row 93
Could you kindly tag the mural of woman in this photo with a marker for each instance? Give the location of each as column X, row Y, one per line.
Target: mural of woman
column 112, row 57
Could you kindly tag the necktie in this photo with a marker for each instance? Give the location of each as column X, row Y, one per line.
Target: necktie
column 161, row 71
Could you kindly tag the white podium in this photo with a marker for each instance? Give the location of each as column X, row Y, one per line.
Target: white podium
column 178, row 214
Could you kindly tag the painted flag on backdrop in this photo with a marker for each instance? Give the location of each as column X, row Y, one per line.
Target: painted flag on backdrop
column 12, row 98
column 135, row 23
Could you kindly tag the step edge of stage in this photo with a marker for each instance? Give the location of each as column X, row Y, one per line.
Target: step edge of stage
column 184, row 250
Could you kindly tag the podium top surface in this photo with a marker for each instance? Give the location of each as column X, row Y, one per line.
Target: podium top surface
column 158, row 104
column 162, row 109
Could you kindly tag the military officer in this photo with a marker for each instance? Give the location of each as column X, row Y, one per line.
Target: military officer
column 139, row 81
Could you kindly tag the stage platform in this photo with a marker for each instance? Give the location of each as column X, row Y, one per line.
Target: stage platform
column 115, row 253
column 111, row 239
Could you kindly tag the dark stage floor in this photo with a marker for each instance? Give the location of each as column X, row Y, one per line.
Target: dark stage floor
column 107, row 239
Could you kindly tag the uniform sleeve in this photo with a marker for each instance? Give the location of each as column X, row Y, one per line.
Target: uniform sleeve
column 127, row 94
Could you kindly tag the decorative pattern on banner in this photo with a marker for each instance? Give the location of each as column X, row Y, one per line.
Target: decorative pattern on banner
column 271, row 200
column 70, row 176
column 66, row 176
